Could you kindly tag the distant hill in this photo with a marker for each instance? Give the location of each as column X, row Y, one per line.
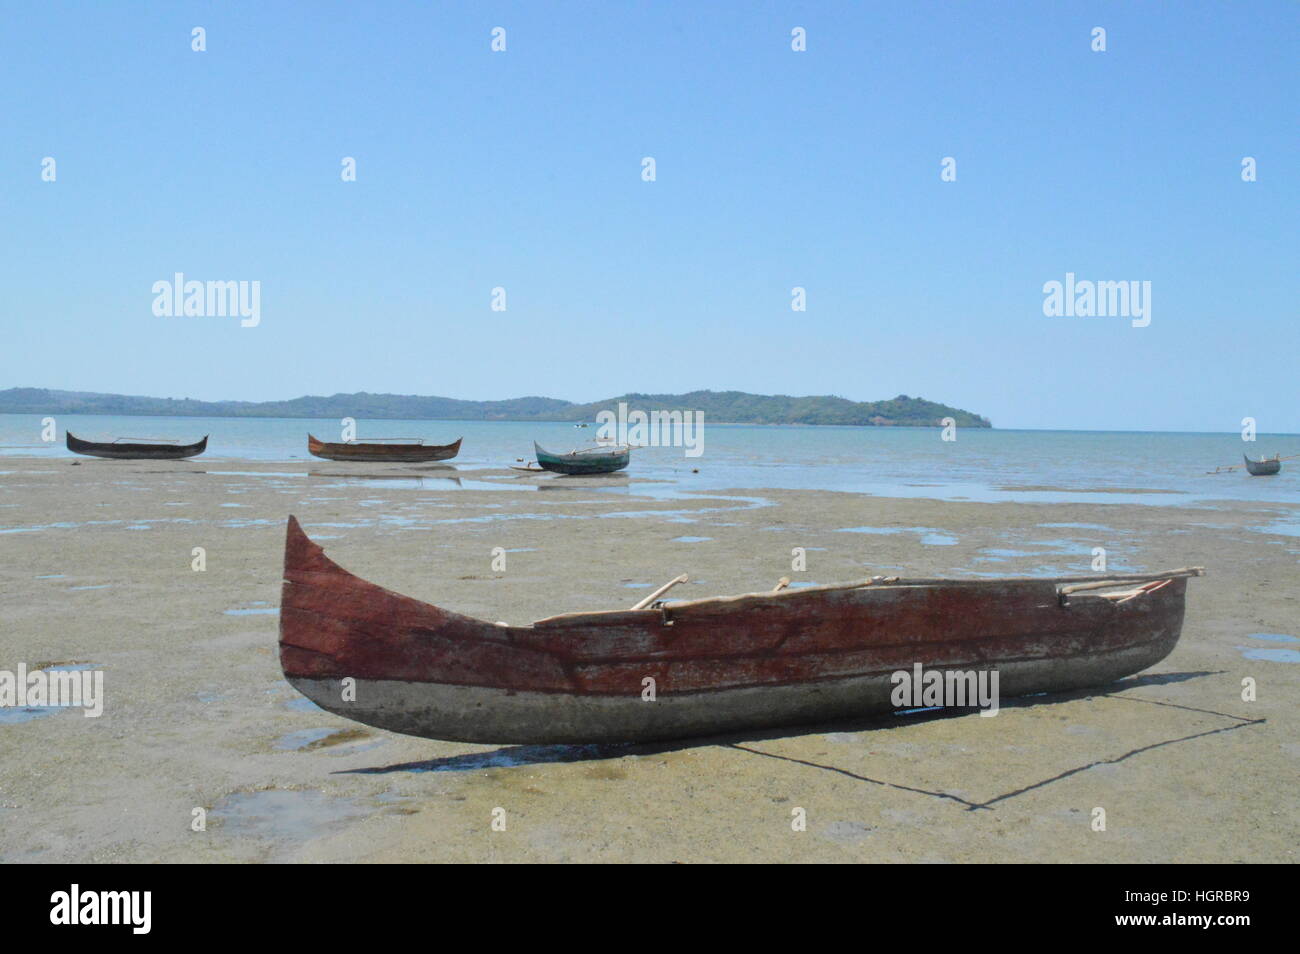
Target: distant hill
column 737, row 407
column 732, row 407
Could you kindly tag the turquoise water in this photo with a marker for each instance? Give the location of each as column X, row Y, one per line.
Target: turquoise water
column 981, row 465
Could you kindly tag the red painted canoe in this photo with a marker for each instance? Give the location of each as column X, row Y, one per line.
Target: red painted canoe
column 719, row 665
column 376, row 452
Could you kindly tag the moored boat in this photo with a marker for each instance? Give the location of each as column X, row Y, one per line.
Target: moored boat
column 126, row 449
column 1264, row 467
column 725, row 664
column 414, row 452
column 588, row 460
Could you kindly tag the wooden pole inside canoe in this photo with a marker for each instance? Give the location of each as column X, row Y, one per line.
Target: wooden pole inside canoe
column 1132, row 578
column 660, row 592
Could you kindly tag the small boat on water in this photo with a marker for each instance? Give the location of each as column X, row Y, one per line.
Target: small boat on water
column 124, row 449
column 588, row 460
column 724, row 664
column 400, row 450
column 1264, row 467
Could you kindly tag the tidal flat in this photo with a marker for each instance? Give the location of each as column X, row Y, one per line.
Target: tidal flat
column 97, row 563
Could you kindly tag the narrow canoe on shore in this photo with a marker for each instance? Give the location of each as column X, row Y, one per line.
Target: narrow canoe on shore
column 1264, row 467
column 719, row 665
column 413, row 453
column 124, row 449
column 590, row 460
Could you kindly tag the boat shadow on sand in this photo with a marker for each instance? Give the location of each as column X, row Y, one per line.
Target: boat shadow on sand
column 522, row 755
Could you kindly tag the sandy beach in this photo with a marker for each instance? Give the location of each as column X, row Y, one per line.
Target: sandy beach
column 96, row 567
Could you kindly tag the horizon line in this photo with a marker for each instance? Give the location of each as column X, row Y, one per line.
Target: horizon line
column 463, row 420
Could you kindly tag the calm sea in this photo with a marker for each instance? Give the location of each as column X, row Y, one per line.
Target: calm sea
column 980, row 465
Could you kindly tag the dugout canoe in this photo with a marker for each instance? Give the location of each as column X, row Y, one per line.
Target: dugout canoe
column 412, row 453
column 1264, row 467
column 720, row 665
column 589, row 460
column 125, row 450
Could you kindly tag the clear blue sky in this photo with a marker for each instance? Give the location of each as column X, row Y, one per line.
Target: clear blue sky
column 775, row 169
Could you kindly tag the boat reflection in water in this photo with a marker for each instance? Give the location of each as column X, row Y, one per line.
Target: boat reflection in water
column 412, row 480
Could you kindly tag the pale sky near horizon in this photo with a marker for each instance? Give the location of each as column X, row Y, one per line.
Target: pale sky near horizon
column 774, row 169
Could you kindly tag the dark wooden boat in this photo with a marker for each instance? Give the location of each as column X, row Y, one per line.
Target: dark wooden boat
column 590, row 460
column 1264, row 467
column 412, row 453
column 125, row 450
column 720, row 665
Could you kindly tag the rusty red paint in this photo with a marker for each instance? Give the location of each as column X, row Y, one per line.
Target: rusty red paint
column 370, row 452
column 334, row 624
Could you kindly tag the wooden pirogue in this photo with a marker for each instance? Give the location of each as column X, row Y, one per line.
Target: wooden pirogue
column 374, row 452
column 589, row 460
column 123, row 449
column 720, row 665
column 1264, row 467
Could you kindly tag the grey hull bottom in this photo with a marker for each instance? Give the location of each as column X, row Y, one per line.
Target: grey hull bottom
column 477, row 714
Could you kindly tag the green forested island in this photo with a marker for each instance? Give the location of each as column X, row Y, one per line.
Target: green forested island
column 732, row 407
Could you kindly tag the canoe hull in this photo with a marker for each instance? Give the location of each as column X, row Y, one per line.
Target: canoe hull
column 1262, row 468
column 136, row 451
column 383, row 453
column 581, row 464
column 503, row 716
column 719, row 666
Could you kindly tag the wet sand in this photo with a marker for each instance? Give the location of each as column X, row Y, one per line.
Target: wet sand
column 95, row 567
